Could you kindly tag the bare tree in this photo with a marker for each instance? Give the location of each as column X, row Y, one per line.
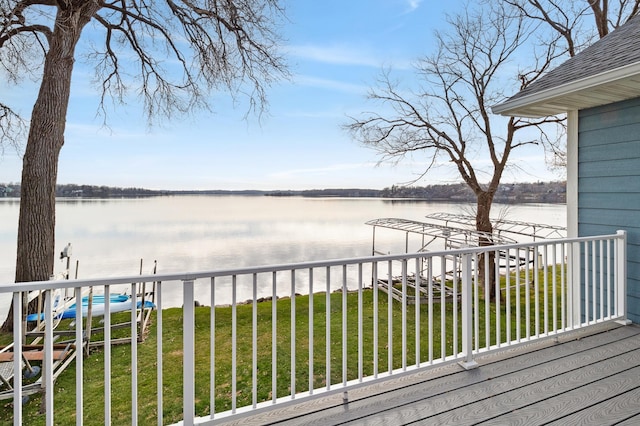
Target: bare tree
column 572, row 25
column 174, row 53
column 447, row 119
column 12, row 128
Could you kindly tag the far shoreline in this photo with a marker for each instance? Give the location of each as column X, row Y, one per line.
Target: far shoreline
column 510, row 193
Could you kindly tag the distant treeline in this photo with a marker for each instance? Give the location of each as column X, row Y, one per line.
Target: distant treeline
column 86, row 191
column 538, row 192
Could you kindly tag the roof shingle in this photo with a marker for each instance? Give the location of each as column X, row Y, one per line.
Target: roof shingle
column 617, row 49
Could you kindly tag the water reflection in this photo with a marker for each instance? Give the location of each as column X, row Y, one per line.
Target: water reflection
column 182, row 233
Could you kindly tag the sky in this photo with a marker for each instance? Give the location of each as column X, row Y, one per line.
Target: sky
column 335, row 50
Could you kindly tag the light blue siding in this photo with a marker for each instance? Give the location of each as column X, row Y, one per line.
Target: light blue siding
column 609, row 181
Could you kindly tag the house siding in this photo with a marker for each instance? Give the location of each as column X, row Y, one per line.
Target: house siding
column 609, row 182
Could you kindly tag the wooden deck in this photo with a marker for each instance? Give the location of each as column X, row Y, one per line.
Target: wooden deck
column 590, row 377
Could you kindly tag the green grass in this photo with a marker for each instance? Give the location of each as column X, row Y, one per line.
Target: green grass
column 172, row 354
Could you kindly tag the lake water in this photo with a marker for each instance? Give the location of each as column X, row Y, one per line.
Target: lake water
column 190, row 233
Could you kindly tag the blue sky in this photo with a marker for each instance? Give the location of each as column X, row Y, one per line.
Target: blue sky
column 335, row 49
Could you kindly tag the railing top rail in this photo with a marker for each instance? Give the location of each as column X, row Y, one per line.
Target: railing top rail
column 190, row 276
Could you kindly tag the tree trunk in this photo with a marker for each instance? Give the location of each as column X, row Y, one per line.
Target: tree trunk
column 483, row 224
column 36, row 225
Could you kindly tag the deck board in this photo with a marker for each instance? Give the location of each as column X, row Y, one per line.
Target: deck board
column 631, row 421
column 445, row 392
column 510, row 392
column 583, row 379
column 610, row 411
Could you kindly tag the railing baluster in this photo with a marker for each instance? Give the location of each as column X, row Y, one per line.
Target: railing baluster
column 487, row 300
column 455, row 319
column 404, row 315
column 527, row 300
column 476, row 304
column 134, row 355
column 611, row 264
column 418, row 304
column 587, row 277
column 602, row 281
column 507, row 292
column 274, row 338
column 443, row 312
column 47, row 365
column 107, row 354
column 311, row 336
column 254, row 341
column 188, row 352
column 554, row 290
column 328, row 329
column 234, row 342
column 212, row 349
column 159, row 357
column 430, row 305
column 18, row 308
column 536, row 290
column 545, row 270
column 344, row 325
column 497, row 297
column 563, row 290
column 518, row 301
column 390, row 318
column 374, row 280
column 79, row 357
column 292, row 314
column 594, row 280
column 360, row 326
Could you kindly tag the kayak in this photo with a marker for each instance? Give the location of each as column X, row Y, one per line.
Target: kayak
column 117, row 303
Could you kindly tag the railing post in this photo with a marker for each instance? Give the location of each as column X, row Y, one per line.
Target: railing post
column 188, row 350
column 573, row 285
column 621, row 282
column 467, row 314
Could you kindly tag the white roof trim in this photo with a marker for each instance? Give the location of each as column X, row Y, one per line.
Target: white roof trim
column 511, row 107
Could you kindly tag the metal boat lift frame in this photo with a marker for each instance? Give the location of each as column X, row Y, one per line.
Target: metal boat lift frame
column 454, row 237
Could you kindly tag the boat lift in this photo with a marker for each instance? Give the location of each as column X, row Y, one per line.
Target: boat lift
column 504, row 226
column 454, row 237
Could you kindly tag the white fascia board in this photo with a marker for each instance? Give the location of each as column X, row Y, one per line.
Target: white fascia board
column 507, row 107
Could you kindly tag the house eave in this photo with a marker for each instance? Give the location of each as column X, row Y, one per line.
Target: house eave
column 607, row 87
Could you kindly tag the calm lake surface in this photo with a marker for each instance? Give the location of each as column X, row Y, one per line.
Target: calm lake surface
column 192, row 233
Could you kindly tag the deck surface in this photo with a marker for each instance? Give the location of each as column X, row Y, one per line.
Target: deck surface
column 588, row 378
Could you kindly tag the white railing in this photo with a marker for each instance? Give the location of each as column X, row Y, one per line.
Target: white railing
column 309, row 329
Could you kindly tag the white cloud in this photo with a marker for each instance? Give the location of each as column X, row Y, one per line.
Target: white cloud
column 412, row 5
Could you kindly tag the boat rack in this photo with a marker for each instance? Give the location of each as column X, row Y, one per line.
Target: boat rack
column 439, row 291
column 500, row 226
column 453, row 237
column 65, row 351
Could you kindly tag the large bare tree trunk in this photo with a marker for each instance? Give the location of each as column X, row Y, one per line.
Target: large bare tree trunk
column 36, row 225
column 483, row 224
